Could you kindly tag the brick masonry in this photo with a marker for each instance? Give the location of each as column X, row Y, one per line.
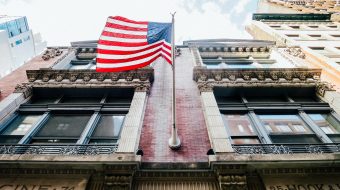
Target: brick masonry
column 190, row 120
column 18, row 76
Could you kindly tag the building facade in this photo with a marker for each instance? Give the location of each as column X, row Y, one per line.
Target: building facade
column 18, row 44
column 301, row 6
column 248, row 118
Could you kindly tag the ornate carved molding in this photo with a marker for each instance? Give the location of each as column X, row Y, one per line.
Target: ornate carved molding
column 234, row 182
column 201, row 73
column 118, row 182
column 139, row 79
column 208, row 78
column 24, row 88
column 296, row 52
column 87, row 75
column 51, row 53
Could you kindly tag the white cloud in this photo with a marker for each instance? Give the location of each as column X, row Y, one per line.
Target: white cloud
column 62, row 21
column 240, row 6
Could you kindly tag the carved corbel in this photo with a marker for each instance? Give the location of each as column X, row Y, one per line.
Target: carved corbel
column 233, row 182
column 129, row 76
column 274, row 75
column 232, row 77
column 60, row 77
column 218, row 76
column 32, row 76
column 73, row 77
column 261, row 75
column 100, row 77
column 322, row 87
column 114, row 76
column 24, row 88
column 46, row 77
column 118, row 182
column 205, row 87
column 143, row 87
column 87, row 77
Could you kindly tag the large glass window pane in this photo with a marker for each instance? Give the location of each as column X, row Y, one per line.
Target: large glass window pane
column 108, row 129
column 239, row 124
column 284, row 124
column 62, row 129
column 288, row 129
column 328, row 124
column 240, row 129
column 64, row 126
column 18, row 128
column 12, row 28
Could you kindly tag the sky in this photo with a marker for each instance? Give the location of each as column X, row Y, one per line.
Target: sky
column 63, row 21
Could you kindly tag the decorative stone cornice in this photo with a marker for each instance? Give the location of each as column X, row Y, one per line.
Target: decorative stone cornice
column 88, row 75
column 139, row 79
column 279, row 16
column 209, row 78
column 236, row 49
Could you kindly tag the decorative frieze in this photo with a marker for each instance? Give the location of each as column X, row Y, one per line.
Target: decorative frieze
column 207, row 79
column 87, row 75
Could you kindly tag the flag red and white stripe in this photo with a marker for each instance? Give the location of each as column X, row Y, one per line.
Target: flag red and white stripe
column 125, row 45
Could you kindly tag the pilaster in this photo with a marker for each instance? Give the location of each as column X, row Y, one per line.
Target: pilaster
column 129, row 138
column 217, row 133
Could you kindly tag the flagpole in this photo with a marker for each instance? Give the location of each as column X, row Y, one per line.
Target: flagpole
column 174, row 141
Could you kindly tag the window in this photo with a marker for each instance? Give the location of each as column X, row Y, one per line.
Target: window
column 18, row 42
column 279, row 116
column 275, row 26
column 17, row 128
column 62, row 128
column 108, row 129
column 12, row 28
column 240, row 129
column 317, row 37
column 66, row 116
column 325, row 52
column 293, row 36
column 335, row 36
column 287, row 129
column 82, row 64
column 235, row 62
column 295, row 27
column 328, row 124
column 332, row 26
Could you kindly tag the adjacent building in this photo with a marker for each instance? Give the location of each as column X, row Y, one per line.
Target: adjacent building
column 301, row 6
column 18, row 44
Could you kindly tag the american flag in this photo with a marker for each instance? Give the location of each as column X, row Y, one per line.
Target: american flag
column 127, row 44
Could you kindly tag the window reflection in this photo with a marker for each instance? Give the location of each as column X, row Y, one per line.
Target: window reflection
column 62, row 129
column 328, row 124
column 108, row 129
column 18, row 128
column 288, row 129
column 240, row 129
